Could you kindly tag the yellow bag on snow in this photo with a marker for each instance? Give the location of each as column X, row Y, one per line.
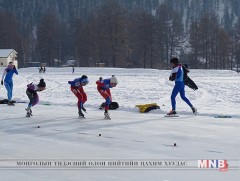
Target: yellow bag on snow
column 143, row 108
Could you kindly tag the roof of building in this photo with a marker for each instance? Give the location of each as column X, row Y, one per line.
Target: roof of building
column 6, row 52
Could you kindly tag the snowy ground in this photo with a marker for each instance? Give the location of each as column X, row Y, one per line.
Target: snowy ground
column 129, row 135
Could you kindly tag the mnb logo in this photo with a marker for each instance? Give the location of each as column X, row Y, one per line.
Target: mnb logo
column 221, row 164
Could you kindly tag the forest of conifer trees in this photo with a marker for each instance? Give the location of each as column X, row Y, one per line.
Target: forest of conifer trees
column 131, row 34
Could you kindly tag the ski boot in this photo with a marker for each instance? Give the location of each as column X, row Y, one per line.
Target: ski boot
column 81, row 115
column 194, row 110
column 172, row 113
column 107, row 115
column 10, row 103
column 29, row 112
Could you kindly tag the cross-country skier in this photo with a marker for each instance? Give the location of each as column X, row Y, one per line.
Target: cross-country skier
column 40, row 69
column 177, row 75
column 77, row 89
column 31, row 92
column 8, row 81
column 103, row 87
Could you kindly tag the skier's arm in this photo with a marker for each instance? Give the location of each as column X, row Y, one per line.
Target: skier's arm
column 75, row 83
column 173, row 74
column 100, row 83
column 15, row 70
column 71, row 83
column 4, row 73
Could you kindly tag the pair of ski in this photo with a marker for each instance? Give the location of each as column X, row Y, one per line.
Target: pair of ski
column 171, row 116
column 217, row 116
column 174, row 115
column 106, row 116
column 11, row 103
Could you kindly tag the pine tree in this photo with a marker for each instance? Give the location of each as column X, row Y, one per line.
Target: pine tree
column 48, row 39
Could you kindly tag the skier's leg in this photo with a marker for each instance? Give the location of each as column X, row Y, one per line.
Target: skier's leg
column 31, row 98
column 173, row 96
column 78, row 94
column 182, row 94
column 80, row 100
column 36, row 99
column 108, row 98
column 84, row 97
column 31, row 102
column 9, row 92
column 107, row 103
column 84, row 100
column 80, row 104
column 109, row 94
column 106, row 94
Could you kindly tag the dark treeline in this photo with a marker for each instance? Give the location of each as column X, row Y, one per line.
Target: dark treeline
column 119, row 36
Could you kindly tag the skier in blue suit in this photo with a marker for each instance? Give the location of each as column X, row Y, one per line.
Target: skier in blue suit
column 8, row 81
column 177, row 75
column 77, row 89
column 103, row 87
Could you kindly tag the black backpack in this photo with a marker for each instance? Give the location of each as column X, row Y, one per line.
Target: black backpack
column 112, row 106
column 187, row 81
column 185, row 71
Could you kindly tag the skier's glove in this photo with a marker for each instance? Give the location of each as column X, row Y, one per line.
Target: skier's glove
column 173, row 77
column 1, row 82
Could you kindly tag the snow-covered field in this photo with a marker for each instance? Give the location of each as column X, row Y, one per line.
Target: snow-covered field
column 129, row 135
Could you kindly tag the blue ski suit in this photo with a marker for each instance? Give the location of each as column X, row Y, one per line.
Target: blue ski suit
column 177, row 76
column 78, row 91
column 8, row 81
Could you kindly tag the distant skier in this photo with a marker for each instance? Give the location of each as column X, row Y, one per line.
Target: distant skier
column 8, row 81
column 73, row 69
column 103, row 87
column 77, row 89
column 177, row 75
column 44, row 69
column 31, row 92
column 40, row 69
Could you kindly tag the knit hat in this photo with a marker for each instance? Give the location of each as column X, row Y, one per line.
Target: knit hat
column 42, row 83
column 113, row 80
